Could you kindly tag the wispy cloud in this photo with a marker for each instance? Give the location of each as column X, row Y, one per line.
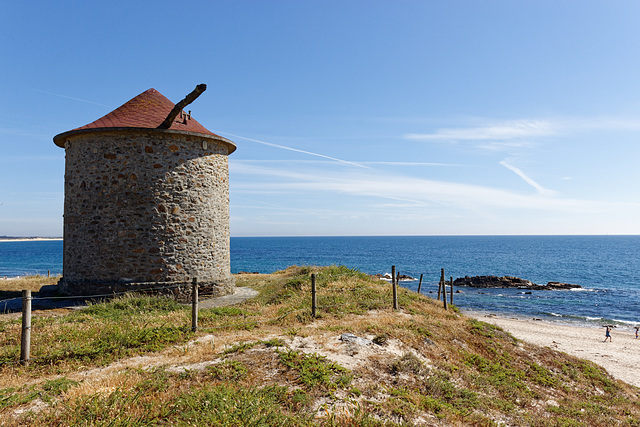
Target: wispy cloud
column 416, row 190
column 409, row 164
column 600, row 123
column 540, row 189
column 325, row 162
column 283, row 147
column 509, row 130
column 503, row 145
column 516, row 133
column 262, row 205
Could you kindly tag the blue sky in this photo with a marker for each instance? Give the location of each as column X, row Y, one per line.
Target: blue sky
column 351, row 117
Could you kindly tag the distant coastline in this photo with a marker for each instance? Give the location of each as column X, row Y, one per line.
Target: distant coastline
column 26, row 239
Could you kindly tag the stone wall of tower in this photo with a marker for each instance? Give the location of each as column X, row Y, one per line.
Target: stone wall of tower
column 145, row 206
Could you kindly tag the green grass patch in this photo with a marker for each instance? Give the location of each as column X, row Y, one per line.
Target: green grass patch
column 130, row 305
column 46, row 391
column 483, row 328
column 106, row 343
column 541, row 375
column 314, row 370
column 229, row 370
column 507, row 381
column 224, row 312
column 244, row 346
column 241, row 347
column 408, row 363
column 226, row 405
column 219, row 404
column 13, row 396
column 275, row 342
column 101, row 333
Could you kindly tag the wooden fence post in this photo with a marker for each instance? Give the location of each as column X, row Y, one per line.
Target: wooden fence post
column 444, row 288
column 194, row 305
column 314, row 300
column 394, row 284
column 25, row 344
column 420, row 283
column 451, row 283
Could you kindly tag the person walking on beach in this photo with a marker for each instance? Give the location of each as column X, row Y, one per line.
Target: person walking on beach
column 637, row 332
column 607, row 334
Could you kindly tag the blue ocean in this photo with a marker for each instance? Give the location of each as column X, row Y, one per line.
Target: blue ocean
column 607, row 268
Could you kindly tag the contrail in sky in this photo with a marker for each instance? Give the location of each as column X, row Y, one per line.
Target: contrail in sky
column 528, row 180
column 70, row 97
column 283, row 147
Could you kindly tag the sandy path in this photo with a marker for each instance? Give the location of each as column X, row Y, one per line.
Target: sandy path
column 621, row 357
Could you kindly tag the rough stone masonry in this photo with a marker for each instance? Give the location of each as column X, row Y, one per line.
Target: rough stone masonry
column 145, row 207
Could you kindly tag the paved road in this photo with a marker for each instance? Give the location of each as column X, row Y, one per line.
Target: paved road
column 241, row 294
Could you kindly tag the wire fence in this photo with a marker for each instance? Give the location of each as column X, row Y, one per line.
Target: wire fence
column 25, row 342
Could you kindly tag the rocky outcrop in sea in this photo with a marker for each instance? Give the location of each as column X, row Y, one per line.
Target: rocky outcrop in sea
column 509, row 282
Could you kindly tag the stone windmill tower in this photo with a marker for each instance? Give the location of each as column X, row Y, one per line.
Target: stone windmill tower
column 146, row 201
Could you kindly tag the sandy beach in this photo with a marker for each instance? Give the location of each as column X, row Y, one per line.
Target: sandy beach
column 620, row 357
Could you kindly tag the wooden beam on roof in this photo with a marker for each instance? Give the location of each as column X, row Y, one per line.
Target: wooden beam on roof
column 166, row 124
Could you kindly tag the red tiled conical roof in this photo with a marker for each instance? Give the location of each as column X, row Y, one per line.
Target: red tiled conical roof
column 147, row 110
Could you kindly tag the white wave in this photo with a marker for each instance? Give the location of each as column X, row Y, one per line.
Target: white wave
column 625, row 322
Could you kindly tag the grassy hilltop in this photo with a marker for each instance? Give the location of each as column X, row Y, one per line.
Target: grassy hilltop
column 134, row 361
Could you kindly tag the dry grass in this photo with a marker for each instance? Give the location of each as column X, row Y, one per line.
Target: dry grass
column 10, row 288
column 268, row 362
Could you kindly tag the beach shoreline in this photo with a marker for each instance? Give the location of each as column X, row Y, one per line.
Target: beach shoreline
column 30, row 239
column 620, row 357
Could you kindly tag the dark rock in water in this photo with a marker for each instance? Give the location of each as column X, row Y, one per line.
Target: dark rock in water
column 559, row 285
column 509, row 282
column 493, row 282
